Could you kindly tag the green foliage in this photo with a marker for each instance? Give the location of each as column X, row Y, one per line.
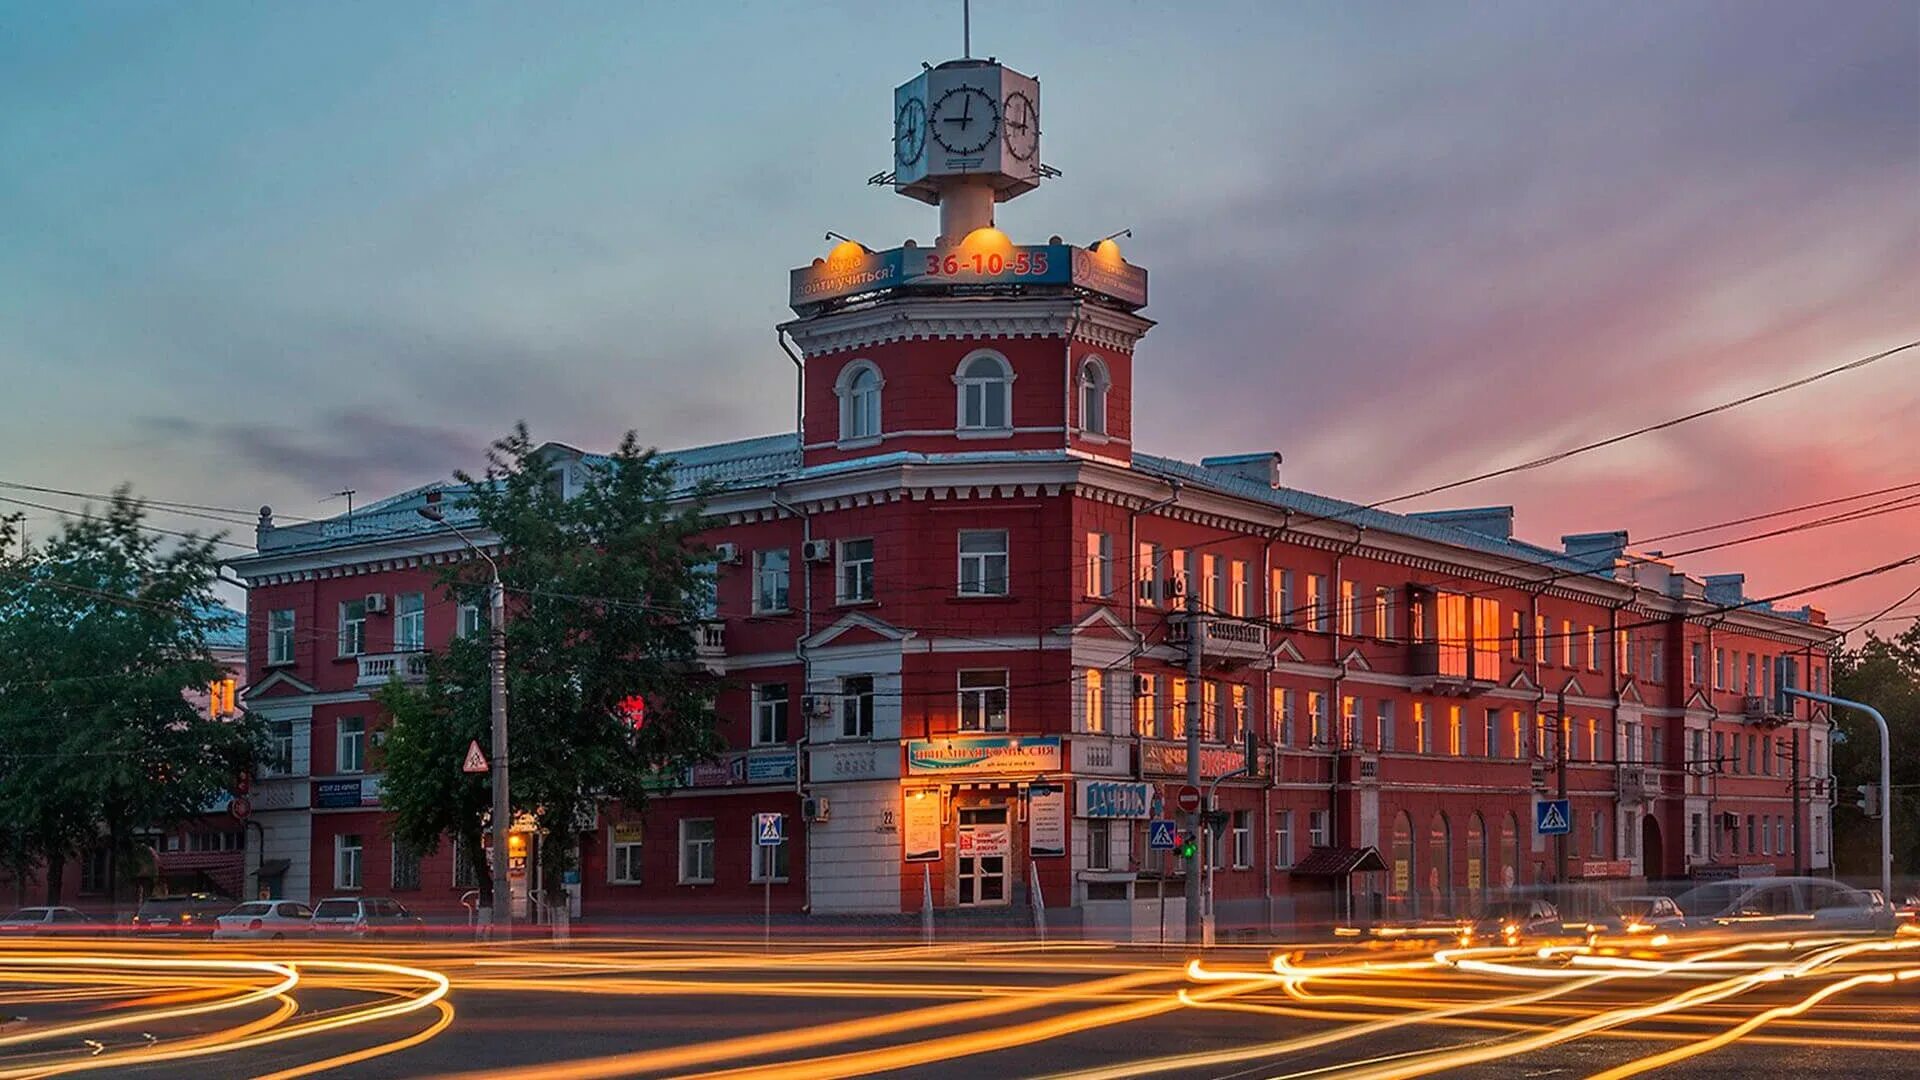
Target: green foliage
column 1884, row 673
column 601, row 589
column 102, row 633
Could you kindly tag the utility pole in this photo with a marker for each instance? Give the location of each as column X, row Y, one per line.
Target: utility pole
column 1799, row 861
column 502, row 913
column 1886, row 778
column 1563, row 728
column 1196, row 643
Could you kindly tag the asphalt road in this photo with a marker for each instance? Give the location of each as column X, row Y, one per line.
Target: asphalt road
column 962, row 1010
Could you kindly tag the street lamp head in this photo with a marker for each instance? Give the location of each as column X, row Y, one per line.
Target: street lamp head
column 431, row 511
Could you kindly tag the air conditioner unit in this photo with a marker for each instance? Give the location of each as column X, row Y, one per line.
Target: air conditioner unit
column 1139, row 686
column 817, row 706
column 1176, row 584
column 817, row 551
column 377, row 737
column 376, row 603
column 814, row 808
column 726, row 553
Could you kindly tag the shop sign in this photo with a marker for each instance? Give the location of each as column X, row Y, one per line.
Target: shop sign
column 780, row 767
column 1114, row 799
column 722, row 773
column 851, row 273
column 1606, row 868
column 1046, row 822
column 855, row 761
column 922, row 826
column 994, row 754
column 631, row 832
column 336, row 794
column 1170, row 759
column 984, row 842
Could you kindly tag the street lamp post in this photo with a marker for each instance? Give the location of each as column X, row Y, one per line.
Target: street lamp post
column 501, row 916
column 1886, row 779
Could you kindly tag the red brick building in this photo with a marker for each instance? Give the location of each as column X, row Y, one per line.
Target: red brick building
column 951, row 616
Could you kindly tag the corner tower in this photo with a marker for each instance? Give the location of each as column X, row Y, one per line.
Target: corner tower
column 973, row 342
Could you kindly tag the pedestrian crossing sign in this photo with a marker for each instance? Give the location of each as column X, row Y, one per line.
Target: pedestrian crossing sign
column 1160, row 836
column 769, row 830
column 476, row 762
column 1552, row 817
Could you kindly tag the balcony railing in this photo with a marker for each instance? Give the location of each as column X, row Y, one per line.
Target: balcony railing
column 1227, row 637
column 379, row 669
column 710, row 638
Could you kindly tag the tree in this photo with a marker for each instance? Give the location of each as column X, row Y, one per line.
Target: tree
column 1884, row 673
column 603, row 589
column 103, row 633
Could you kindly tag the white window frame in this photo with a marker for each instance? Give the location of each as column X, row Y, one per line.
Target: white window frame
column 625, row 860
column 856, row 706
column 1099, row 843
column 982, row 562
column 1242, row 838
column 280, row 624
column 765, row 860
column 1239, row 589
column 853, row 577
column 1317, row 833
column 1146, row 705
column 1094, row 382
column 1283, row 840
column 1319, row 603
column 469, row 621
column 410, row 622
column 1093, row 701
column 977, row 689
column 1099, row 565
column 349, row 860
column 355, row 737
column 353, row 627
column 1384, row 722
column 860, row 406
column 772, row 585
column 1147, row 574
column 697, row 849
column 1280, row 597
column 278, row 760
column 970, row 387
column 771, row 711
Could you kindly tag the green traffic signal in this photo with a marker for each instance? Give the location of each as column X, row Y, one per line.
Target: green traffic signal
column 1188, row 847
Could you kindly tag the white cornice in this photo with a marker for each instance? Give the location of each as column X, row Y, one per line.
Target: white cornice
column 964, row 318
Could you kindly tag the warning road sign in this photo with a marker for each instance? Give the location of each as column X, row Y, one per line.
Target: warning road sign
column 476, row 761
column 769, row 830
column 1552, row 817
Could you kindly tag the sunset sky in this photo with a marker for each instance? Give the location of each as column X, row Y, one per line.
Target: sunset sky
column 256, row 253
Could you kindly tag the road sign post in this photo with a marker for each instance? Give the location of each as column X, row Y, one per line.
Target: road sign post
column 1160, row 838
column 769, row 831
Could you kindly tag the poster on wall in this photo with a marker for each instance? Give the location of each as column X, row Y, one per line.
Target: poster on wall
column 1046, row 822
column 921, row 827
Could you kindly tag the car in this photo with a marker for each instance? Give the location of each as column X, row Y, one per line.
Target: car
column 1908, row 910
column 363, row 916
column 185, row 914
column 1788, row 902
column 45, row 920
column 273, row 920
column 1645, row 913
column 1510, row 921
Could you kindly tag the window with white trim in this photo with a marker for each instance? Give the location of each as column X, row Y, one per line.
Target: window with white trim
column 280, row 636
column 1382, row 612
column 469, row 622
column 350, row 745
column 1317, row 828
column 1147, row 573
column 624, row 851
column 346, row 861
column 278, row 758
column 1385, row 724
column 1099, row 844
column 859, row 390
column 772, row 574
column 1283, row 840
column 1280, row 597
column 1146, row 712
column 855, row 576
column 985, row 384
column 1319, row 603
column 410, row 622
column 770, row 701
column 983, row 562
column 1093, row 396
column 696, row 851
column 1239, row 589
column 1099, row 565
column 1093, row 701
column 1242, row 839
column 983, row 700
column 856, row 707
column 353, row 627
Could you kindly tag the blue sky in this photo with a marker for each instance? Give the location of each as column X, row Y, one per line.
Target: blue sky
column 254, row 253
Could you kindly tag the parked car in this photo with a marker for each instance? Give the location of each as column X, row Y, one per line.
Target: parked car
column 1786, row 901
column 186, row 914
column 45, row 920
column 273, row 920
column 1511, row 921
column 1645, row 913
column 363, row 916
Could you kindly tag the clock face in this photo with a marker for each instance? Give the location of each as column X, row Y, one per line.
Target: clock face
column 910, row 132
column 1023, row 126
column 965, row 120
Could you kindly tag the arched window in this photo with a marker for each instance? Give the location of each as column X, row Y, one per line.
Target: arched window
column 1440, row 864
column 1404, row 898
column 985, row 383
column 1093, row 396
column 859, row 390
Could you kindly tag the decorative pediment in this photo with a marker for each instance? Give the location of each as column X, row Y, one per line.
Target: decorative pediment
column 1572, row 687
column 1522, row 681
column 1355, row 659
column 1101, row 622
column 277, row 684
column 1285, row 651
column 858, row 628
column 1699, row 700
column 1630, row 694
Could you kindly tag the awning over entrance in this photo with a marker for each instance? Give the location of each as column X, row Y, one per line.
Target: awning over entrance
column 273, row 867
column 1338, row 862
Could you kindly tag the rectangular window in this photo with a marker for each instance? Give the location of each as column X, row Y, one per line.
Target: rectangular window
column 770, row 714
column 406, row 867
column 350, row 745
column 1242, row 839
column 1598, row 752
column 1493, row 733
column 468, row 621
column 624, row 853
column 280, row 636
column 1283, row 840
column 1594, row 656
column 1656, row 664
column 1382, row 612
column 410, row 622
column 856, row 707
column 696, row 851
column 1093, row 701
column 1748, row 685
column 983, row 562
column 1147, row 573
column 770, row 862
column 1753, row 836
column 1210, row 711
column 855, row 576
column 346, row 861
column 1719, row 751
column 278, row 759
column 1518, row 734
column 1176, row 576
column 1349, row 721
column 1719, row 669
column 1422, row 728
column 1542, row 649
column 1236, row 713
column 1210, row 590
column 353, row 628
column 1317, row 828
column 1385, row 724
column 1283, row 705
column 1178, row 708
column 1696, row 662
column 1099, row 568
column 1280, row 597
column 1349, row 608
column 1319, row 603
column 1239, row 590
column 1517, row 643
column 93, row 870
column 1599, row 837
column 983, row 700
column 772, row 574
column 1317, row 715
column 1146, row 705
column 1696, row 834
column 1456, row 739
column 1572, row 643
column 1099, row 844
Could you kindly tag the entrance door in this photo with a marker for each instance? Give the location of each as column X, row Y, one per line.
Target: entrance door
column 983, row 845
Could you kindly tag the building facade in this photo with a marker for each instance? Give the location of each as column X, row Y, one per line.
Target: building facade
column 955, row 610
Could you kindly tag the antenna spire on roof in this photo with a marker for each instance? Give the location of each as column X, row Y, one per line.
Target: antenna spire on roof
column 966, row 29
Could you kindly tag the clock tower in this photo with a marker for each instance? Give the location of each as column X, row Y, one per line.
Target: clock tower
column 966, row 135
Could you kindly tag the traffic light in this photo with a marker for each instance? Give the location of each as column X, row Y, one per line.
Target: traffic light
column 1869, row 801
column 1251, row 748
column 1187, row 845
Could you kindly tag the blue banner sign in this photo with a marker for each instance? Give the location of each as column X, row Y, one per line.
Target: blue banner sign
column 1115, row 799
column 1001, row 754
column 855, row 271
column 333, row 794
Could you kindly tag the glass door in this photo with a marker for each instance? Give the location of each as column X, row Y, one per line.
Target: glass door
column 984, row 844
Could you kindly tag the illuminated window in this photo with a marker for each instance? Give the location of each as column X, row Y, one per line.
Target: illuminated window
column 985, row 385
column 1468, row 633
column 1099, row 568
column 1422, row 728
column 1093, row 708
column 1147, row 573
column 1210, row 583
column 1456, row 740
column 1210, row 710
column 1146, row 706
column 1239, row 589
column 1280, row 597
column 1350, row 733
column 1179, row 709
column 1093, row 396
column 1349, row 608
column 1594, row 648
column 1572, row 644
column 1236, row 713
column 1382, row 612
column 1283, row 716
column 223, row 698
column 1319, row 603
column 1317, row 713
column 859, row 390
